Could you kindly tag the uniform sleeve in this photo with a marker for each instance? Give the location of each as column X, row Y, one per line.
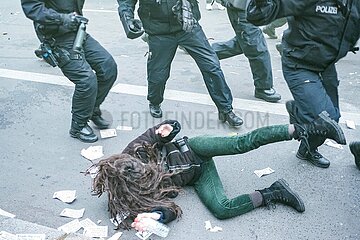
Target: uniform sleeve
column 150, row 137
column 166, row 215
column 127, row 7
column 262, row 12
column 36, row 11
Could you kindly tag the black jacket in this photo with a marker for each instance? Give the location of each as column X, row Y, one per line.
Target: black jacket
column 46, row 14
column 185, row 165
column 320, row 31
column 156, row 15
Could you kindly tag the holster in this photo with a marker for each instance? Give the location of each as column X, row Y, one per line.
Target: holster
column 63, row 56
column 47, row 54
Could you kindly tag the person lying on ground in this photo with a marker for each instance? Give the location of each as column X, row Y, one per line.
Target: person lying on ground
column 142, row 181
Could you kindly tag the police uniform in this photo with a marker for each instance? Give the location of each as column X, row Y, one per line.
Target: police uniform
column 165, row 34
column 250, row 41
column 90, row 88
column 319, row 34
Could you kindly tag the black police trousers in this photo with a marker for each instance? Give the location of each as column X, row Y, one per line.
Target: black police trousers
column 313, row 93
column 162, row 49
column 249, row 40
column 93, row 72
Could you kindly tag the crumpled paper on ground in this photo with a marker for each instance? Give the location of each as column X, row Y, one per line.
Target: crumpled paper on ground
column 92, row 153
column 350, row 124
column 66, row 196
column 212, row 229
column 263, row 172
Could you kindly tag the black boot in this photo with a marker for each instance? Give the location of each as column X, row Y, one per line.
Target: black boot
column 280, row 192
column 355, row 150
column 323, row 126
column 155, row 110
column 98, row 120
column 83, row 132
column 231, row 118
column 269, row 95
column 312, row 156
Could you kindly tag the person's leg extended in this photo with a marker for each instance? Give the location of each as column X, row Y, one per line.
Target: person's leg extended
column 210, row 146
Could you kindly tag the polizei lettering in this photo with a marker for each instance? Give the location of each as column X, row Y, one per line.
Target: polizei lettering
column 326, row 9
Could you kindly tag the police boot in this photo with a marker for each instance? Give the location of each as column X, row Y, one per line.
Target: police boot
column 98, row 120
column 231, row 118
column 323, row 126
column 155, row 110
column 280, row 192
column 269, row 95
column 355, row 150
column 83, row 132
column 312, row 156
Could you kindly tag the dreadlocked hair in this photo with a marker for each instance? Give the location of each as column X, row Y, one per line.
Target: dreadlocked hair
column 133, row 187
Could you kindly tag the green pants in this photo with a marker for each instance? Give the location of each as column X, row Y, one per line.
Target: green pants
column 209, row 187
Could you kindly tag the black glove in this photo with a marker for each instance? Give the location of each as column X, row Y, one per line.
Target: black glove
column 182, row 9
column 70, row 21
column 187, row 16
column 134, row 25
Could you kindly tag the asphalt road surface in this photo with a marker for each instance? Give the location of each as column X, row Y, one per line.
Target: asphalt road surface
column 38, row 157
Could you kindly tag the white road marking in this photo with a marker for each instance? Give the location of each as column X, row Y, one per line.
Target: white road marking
column 175, row 95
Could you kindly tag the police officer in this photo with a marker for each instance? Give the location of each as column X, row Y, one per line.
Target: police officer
column 250, row 41
column 92, row 70
column 319, row 34
column 168, row 24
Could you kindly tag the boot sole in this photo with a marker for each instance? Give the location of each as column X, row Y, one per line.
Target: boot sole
column 82, row 140
column 286, row 186
column 325, row 116
column 266, row 98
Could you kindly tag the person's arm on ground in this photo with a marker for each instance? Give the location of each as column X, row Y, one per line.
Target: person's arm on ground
column 160, row 134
